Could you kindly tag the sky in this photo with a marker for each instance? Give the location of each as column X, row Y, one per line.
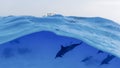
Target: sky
column 109, row 9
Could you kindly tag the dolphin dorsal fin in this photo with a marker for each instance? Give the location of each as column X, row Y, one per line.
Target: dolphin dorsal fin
column 62, row 47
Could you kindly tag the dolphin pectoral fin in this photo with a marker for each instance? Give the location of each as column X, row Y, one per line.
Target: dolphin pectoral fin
column 103, row 63
column 58, row 56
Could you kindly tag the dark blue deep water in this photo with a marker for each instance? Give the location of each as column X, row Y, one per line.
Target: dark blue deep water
column 38, row 50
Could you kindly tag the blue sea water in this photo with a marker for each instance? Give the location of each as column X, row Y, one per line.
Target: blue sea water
column 38, row 50
column 30, row 42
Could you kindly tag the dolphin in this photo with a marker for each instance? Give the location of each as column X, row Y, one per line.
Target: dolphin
column 107, row 59
column 100, row 52
column 86, row 59
column 66, row 49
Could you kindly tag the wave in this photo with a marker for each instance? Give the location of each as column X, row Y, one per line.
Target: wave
column 98, row 32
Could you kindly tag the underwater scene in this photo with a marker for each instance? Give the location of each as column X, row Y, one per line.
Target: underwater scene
column 59, row 41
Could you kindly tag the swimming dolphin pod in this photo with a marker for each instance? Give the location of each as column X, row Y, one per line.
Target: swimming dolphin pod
column 66, row 49
column 98, row 32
